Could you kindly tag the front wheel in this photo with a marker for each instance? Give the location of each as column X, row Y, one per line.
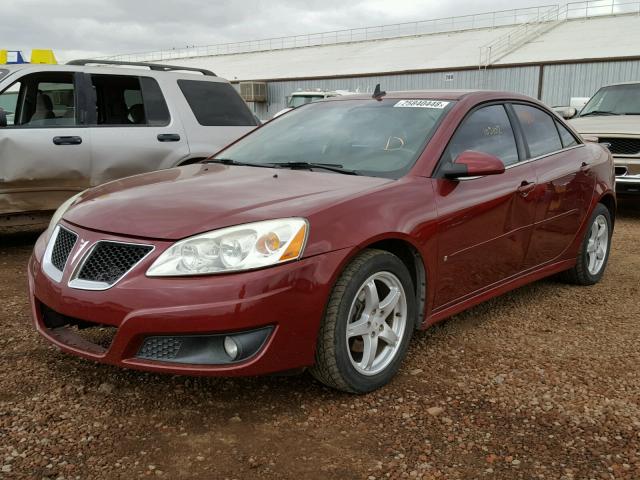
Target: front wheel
column 594, row 250
column 368, row 324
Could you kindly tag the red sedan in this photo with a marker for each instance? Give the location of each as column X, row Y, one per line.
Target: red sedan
column 326, row 237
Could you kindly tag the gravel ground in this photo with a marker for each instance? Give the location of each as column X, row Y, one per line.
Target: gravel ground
column 542, row 383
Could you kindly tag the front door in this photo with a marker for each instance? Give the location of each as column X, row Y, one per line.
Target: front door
column 45, row 154
column 485, row 223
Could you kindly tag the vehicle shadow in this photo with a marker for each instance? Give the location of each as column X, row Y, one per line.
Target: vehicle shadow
column 629, row 207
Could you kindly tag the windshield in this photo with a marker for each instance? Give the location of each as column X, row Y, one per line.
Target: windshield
column 299, row 100
column 375, row 138
column 614, row 100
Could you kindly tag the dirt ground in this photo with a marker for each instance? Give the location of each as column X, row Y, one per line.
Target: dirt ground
column 542, row 383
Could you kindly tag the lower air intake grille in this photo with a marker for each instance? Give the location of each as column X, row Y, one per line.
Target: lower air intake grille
column 109, row 261
column 62, row 248
column 160, row 348
column 622, row 146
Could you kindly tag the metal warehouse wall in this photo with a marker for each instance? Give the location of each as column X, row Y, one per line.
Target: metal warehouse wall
column 561, row 82
column 519, row 79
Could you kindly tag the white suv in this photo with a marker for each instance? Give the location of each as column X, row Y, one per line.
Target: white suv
column 64, row 128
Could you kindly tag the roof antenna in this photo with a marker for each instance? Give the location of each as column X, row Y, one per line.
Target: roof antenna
column 377, row 93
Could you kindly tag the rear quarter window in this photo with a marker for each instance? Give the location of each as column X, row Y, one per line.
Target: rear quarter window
column 216, row 104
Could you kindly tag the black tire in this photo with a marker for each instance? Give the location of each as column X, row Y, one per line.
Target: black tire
column 580, row 274
column 333, row 366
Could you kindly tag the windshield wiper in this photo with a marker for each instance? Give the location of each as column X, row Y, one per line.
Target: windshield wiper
column 598, row 112
column 229, row 161
column 333, row 167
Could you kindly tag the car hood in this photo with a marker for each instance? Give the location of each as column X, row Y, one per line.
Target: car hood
column 607, row 125
column 180, row 202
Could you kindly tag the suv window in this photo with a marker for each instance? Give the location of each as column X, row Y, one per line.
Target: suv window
column 539, row 130
column 40, row 100
column 9, row 102
column 568, row 140
column 486, row 130
column 216, row 104
column 129, row 100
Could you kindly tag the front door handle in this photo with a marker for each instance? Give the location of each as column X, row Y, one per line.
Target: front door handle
column 526, row 188
column 585, row 167
column 67, row 140
column 168, row 137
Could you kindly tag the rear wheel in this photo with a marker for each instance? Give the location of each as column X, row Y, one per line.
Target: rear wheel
column 594, row 251
column 368, row 324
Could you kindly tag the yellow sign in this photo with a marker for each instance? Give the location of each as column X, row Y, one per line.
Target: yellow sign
column 43, row 56
column 3, row 57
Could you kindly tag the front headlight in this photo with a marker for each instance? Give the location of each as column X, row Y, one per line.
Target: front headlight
column 244, row 247
column 62, row 209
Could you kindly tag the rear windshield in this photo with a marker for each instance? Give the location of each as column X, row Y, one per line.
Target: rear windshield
column 216, row 104
column 370, row 137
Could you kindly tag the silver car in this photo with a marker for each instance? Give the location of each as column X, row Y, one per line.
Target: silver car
column 64, row 128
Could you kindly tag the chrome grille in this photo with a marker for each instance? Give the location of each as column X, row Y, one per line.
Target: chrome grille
column 622, row 146
column 110, row 261
column 62, row 248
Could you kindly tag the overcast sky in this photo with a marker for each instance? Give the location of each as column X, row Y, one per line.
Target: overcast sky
column 85, row 28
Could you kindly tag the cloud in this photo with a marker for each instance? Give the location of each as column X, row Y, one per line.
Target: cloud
column 89, row 28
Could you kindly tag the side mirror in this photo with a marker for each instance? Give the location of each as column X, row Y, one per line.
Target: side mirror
column 566, row 112
column 473, row 164
column 3, row 118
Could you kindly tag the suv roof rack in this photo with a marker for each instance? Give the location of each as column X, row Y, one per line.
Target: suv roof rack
column 151, row 66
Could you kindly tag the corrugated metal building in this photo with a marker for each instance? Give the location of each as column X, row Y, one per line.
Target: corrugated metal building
column 549, row 52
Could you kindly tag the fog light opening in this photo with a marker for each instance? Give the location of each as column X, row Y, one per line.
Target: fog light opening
column 231, row 348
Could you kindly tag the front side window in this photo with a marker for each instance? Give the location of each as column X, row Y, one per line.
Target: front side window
column 614, row 100
column 9, row 102
column 40, row 100
column 486, row 130
column 216, row 104
column 539, row 130
column 370, row 137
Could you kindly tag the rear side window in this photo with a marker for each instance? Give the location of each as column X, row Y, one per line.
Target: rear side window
column 539, row 130
column 216, row 104
column 568, row 140
column 486, row 130
column 123, row 100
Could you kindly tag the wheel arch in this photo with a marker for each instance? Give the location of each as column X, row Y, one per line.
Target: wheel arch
column 411, row 257
column 609, row 201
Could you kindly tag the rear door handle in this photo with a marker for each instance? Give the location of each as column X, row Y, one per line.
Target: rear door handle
column 67, row 140
column 526, row 188
column 168, row 137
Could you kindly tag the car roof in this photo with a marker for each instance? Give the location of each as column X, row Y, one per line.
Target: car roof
column 111, row 69
column 448, row 94
column 635, row 82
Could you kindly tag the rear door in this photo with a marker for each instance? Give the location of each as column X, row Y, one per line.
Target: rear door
column 565, row 185
column 45, row 153
column 485, row 223
column 133, row 129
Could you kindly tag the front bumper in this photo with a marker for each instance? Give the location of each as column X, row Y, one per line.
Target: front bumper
column 627, row 174
column 288, row 301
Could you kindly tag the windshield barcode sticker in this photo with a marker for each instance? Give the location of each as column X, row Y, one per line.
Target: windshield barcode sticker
column 421, row 104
